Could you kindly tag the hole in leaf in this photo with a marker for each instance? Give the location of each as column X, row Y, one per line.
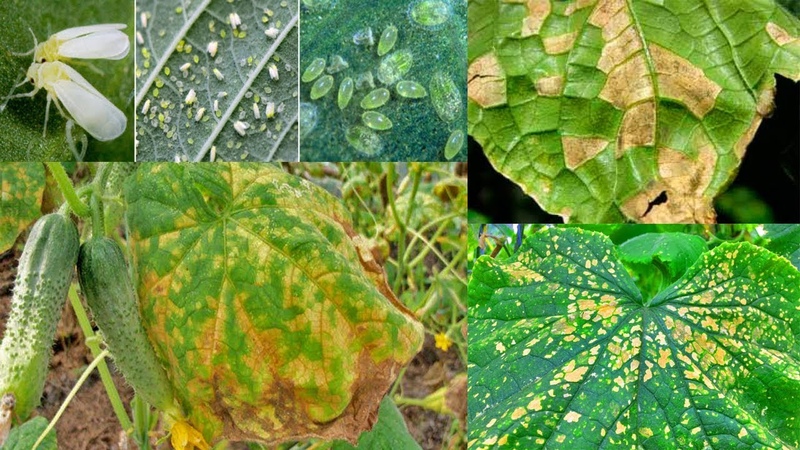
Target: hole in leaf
column 662, row 198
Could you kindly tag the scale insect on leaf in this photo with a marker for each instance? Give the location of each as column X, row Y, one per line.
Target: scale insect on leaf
column 65, row 86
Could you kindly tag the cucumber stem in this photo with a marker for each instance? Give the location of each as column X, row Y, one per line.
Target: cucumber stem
column 65, row 185
column 105, row 374
column 69, row 398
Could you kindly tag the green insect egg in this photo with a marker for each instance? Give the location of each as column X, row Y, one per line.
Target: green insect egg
column 345, row 93
column 388, row 38
column 430, row 13
column 364, row 140
column 313, row 70
column 375, row 99
column 393, row 66
column 454, row 143
column 376, row 120
column 321, row 87
column 445, row 97
column 410, row 89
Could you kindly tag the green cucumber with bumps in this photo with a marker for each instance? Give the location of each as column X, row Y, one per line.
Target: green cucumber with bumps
column 43, row 277
column 107, row 287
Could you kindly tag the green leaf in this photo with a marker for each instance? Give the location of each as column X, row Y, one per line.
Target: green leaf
column 675, row 251
column 607, row 110
column 785, row 241
column 22, row 120
column 21, row 190
column 566, row 353
column 418, row 133
column 269, row 313
column 177, row 34
column 24, row 436
column 389, row 433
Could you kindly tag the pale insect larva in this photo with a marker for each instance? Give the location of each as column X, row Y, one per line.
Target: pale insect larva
column 143, row 18
column 270, row 110
column 199, row 114
column 273, row 71
column 212, row 48
column 218, row 74
column 256, row 111
column 139, row 38
column 185, row 67
column 88, row 107
column 146, row 106
column 213, row 155
column 216, row 106
column 190, row 97
column 241, row 127
column 235, row 20
column 104, row 41
column 281, row 107
column 272, row 32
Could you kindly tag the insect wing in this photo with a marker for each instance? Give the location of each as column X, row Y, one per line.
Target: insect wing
column 105, row 44
column 72, row 33
column 90, row 109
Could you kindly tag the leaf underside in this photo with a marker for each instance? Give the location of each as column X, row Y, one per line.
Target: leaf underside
column 565, row 352
column 612, row 110
column 177, row 34
column 21, row 190
column 267, row 311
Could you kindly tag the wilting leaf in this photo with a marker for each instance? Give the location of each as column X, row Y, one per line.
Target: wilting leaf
column 609, row 110
column 269, row 313
column 389, row 433
column 565, row 352
column 177, row 34
column 21, row 189
column 24, row 436
column 785, row 241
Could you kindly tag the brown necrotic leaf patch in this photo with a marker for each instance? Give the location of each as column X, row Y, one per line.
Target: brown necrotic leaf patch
column 486, row 81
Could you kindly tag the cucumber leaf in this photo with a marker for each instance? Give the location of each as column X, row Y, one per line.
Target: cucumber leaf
column 174, row 60
column 785, row 241
column 21, row 189
column 608, row 111
column 389, row 433
column 269, row 313
column 24, row 436
column 676, row 251
column 566, row 353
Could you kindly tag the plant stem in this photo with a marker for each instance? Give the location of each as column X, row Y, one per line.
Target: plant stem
column 65, row 185
column 105, row 374
column 66, row 402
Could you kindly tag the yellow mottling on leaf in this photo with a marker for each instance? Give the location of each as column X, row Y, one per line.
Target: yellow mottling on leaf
column 538, row 10
column 491, row 423
column 664, row 357
column 646, row 432
column 578, row 150
column 487, row 81
column 742, row 433
column 576, row 375
column 638, row 128
column 519, row 412
column 500, row 347
column 550, row 86
column 572, row 417
column 693, row 374
column 779, row 35
column 503, row 440
column 681, row 80
column 628, row 83
column 561, row 43
column 620, row 428
column 535, row 404
column 491, row 441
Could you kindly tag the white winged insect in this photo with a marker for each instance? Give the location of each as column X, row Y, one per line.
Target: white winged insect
column 88, row 107
column 103, row 41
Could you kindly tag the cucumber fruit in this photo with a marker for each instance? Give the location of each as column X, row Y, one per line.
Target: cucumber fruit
column 40, row 289
column 107, row 286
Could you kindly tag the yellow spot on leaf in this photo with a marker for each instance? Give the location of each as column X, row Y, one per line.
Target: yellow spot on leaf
column 638, row 128
column 503, row 440
column 628, row 83
column 576, row 375
column 487, row 81
column 681, row 80
column 550, row 86
column 572, row 417
column 646, row 432
column 779, row 35
column 538, row 10
column 535, row 404
column 561, row 43
column 578, row 150
column 664, row 357
column 500, row 347
column 742, row 433
column 519, row 412
column 620, row 428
